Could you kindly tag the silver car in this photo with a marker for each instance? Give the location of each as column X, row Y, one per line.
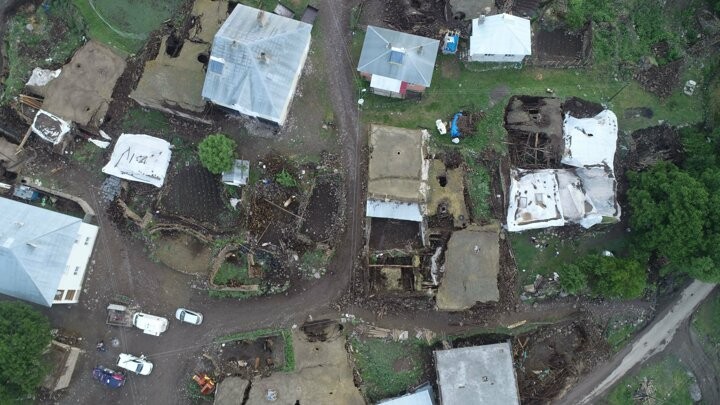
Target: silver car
column 137, row 365
column 188, row 316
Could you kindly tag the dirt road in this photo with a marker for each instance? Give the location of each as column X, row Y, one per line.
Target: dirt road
column 657, row 336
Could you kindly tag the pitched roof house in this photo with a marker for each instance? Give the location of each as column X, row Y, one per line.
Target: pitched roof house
column 43, row 254
column 396, row 62
column 255, row 63
column 500, row 38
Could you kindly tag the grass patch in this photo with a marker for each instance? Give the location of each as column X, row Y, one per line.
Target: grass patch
column 478, row 183
column 388, row 368
column 239, row 295
column 230, row 271
column 54, row 37
column 143, row 119
column 669, row 378
column 314, row 262
column 286, row 335
column 545, row 260
column 124, row 25
column 706, row 323
column 88, row 155
column 619, row 331
column 298, row 6
column 192, row 391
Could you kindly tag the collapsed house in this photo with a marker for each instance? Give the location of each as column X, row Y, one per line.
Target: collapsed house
column 397, row 64
column 420, row 241
column 255, row 63
column 561, row 178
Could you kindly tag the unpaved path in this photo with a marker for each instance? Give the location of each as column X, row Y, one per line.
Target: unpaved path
column 657, row 336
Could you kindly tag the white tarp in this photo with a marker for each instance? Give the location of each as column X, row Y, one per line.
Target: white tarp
column 590, row 141
column 239, row 174
column 50, row 127
column 140, row 158
column 41, row 77
column 534, row 201
column 385, row 83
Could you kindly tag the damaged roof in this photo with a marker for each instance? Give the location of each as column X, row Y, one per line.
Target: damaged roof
column 472, row 262
column 398, row 170
column 255, row 63
column 397, row 55
column 590, row 141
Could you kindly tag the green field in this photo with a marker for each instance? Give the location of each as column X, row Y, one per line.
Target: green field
column 532, row 261
column 388, row 368
column 125, row 25
column 668, row 378
column 706, row 323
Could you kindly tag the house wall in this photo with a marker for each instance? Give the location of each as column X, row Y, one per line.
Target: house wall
column 496, row 58
column 70, row 286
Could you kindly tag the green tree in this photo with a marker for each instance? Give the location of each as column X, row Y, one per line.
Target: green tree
column 24, row 335
column 669, row 212
column 572, row 279
column 618, row 278
column 217, row 153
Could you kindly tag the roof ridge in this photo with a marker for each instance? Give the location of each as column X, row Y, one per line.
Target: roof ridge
column 29, row 276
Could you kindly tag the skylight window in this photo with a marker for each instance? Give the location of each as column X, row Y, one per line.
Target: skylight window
column 216, row 65
column 397, row 56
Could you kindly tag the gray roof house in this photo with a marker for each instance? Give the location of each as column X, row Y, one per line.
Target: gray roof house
column 43, row 254
column 255, row 63
column 396, row 62
column 477, row 375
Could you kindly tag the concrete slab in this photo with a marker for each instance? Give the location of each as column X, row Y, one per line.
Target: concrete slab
column 477, row 375
column 173, row 82
column 230, row 391
column 398, row 169
column 473, row 8
column 447, row 192
column 211, row 14
column 322, row 376
column 472, row 261
column 84, row 88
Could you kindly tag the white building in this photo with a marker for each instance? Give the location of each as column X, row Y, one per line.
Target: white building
column 255, row 63
column 500, row 38
column 43, row 254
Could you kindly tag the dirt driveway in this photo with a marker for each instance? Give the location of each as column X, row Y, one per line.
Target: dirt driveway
column 654, row 340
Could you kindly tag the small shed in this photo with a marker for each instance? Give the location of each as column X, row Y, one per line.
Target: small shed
column 500, row 38
column 239, row 174
column 397, row 64
column 255, row 63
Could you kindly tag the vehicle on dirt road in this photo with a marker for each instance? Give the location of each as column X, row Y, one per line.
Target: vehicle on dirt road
column 110, row 378
column 188, row 316
column 137, row 365
column 150, row 324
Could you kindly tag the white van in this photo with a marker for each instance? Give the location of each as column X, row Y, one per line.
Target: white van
column 137, row 365
column 150, row 324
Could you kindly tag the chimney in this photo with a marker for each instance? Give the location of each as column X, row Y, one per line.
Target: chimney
column 481, row 19
column 420, row 50
column 264, row 57
column 261, row 18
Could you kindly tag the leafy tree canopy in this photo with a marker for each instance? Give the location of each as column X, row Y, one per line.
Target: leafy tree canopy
column 217, row 153
column 24, row 335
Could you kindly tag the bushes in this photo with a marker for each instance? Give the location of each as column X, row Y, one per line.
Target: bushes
column 217, row 153
column 605, row 276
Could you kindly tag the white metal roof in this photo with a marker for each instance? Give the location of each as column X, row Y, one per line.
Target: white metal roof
column 256, row 61
column 385, row 83
column 501, row 34
column 138, row 157
column 590, row 141
column 406, row 211
column 397, row 55
column 35, row 248
column 422, row 396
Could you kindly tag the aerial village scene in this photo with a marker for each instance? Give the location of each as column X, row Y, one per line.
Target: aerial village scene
column 398, row 202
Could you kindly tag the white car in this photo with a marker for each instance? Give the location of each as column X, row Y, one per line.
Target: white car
column 137, row 365
column 188, row 316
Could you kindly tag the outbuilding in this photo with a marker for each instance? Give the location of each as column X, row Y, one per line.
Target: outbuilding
column 500, row 38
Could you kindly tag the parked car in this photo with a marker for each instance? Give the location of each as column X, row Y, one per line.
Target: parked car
column 111, row 378
column 137, row 365
column 150, row 324
column 188, row 316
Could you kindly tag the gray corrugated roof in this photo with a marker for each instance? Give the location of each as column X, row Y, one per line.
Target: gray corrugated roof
column 35, row 244
column 263, row 57
column 418, row 62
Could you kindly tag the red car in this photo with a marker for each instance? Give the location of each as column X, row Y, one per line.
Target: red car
column 110, row 378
